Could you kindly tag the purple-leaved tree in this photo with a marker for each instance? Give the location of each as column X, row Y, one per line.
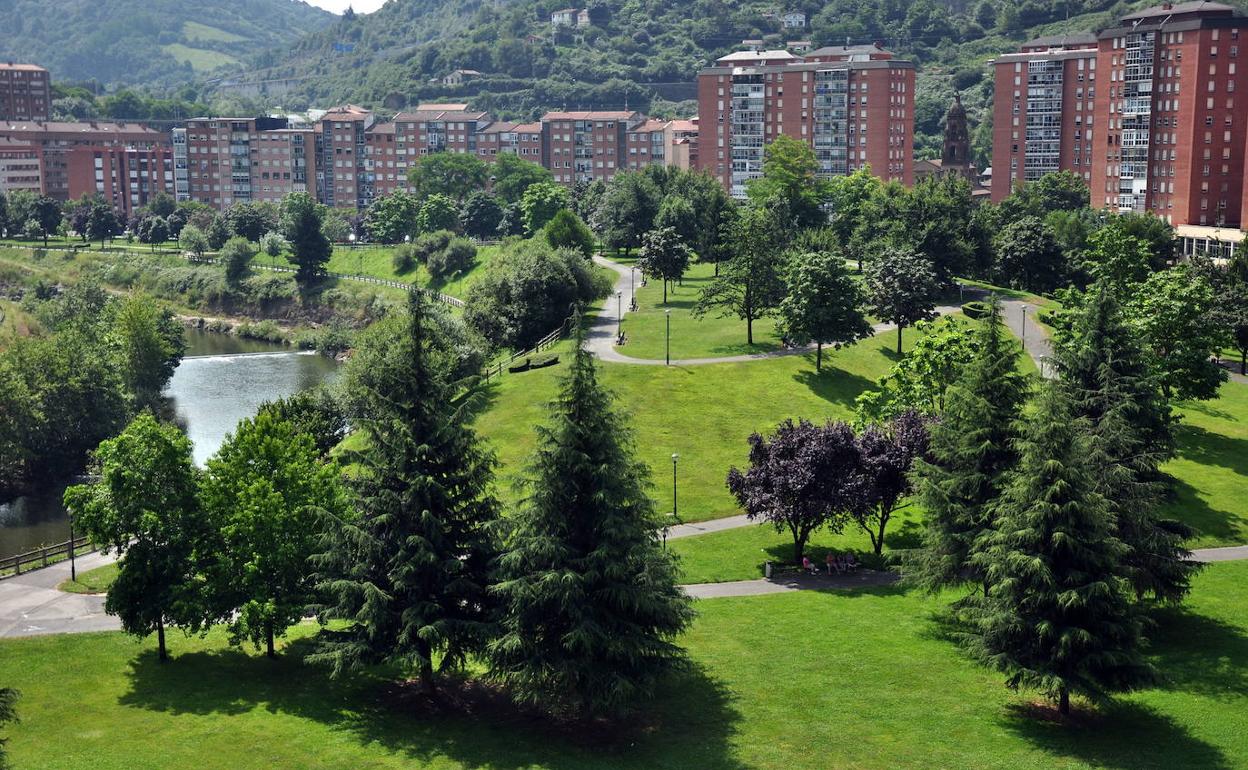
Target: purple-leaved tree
column 802, row 477
column 887, row 451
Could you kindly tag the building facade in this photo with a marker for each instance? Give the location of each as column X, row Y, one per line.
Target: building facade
column 1171, row 90
column 128, row 177
column 854, row 105
column 586, row 146
column 25, row 92
column 1043, row 111
column 21, row 167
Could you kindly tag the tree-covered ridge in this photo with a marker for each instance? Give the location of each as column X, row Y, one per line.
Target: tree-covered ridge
column 148, row 42
column 648, row 52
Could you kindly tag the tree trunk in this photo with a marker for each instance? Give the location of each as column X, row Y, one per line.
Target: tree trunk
column 160, row 640
column 664, row 291
column 426, row 666
column 1243, row 362
column 899, row 327
column 268, row 634
column 818, row 356
column 1063, row 704
column 749, row 330
column 878, row 542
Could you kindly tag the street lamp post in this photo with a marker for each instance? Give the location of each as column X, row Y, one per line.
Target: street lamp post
column 1023, row 335
column 619, row 314
column 73, row 566
column 675, row 514
column 668, row 357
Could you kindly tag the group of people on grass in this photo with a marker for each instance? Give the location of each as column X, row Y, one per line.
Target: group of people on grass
column 836, row 564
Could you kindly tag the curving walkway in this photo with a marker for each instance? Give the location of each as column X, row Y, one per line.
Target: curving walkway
column 600, row 339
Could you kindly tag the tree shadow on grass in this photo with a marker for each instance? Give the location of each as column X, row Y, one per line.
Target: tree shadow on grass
column 1199, row 654
column 1187, row 506
column 1208, row 448
column 690, row 722
column 834, row 385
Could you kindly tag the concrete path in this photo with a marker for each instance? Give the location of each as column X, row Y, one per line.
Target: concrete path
column 30, row 604
column 1210, row 555
column 1020, row 318
column 706, row 527
column 862, row 578
column 602, row 333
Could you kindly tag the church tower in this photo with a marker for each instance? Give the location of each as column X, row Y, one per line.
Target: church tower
column 956, row 157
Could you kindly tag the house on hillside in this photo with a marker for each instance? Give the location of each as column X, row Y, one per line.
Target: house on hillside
column 582, row 18
column 564, row 18
column 459, row 77
column 793, row 19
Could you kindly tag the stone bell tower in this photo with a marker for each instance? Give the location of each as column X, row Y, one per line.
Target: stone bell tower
column 956, row 157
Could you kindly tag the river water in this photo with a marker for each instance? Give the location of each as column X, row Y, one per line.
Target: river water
column 221, row 380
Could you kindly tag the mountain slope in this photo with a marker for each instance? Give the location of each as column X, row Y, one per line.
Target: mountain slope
column 149, row 42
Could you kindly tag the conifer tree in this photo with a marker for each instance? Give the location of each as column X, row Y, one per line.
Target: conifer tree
column 591, row 607
column 972, row 449
column 1057, row 616
column 410, row 575
column 1106, row 376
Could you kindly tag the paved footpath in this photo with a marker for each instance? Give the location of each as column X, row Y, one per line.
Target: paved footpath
column 30, row 604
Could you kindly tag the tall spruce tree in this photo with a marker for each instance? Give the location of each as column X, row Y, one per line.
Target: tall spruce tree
column 1106, row 376
column 1058, row 616
column 590, row 602
column 972, row 450
column 410, row 575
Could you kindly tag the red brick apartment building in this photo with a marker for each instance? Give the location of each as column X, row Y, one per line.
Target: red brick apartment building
column 522, row 139
column 586, row 146
column 234, row 160
column 25, row 92
column 854, row 105
column 1043, row 107
column 21, row 167
column 125, row 162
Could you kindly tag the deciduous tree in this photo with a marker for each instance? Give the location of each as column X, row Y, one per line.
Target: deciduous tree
column 540, row 204
column 888, row 452
column 301, row 224
column 664, row 255
column 391, row 217
column 901, row 288
column 751, row 284
column 920, row 380
column 824, row 305
column 453, row 174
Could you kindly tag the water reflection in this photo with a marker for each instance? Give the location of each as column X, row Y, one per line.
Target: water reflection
column 220, row 381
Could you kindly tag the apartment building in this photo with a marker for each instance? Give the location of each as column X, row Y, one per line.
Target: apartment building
column 381, row 161
column 1043, row 111
column 25, row 92
column 854, row 105
column 522, row 139
column 57, row 143
column 649, row 144
column 223, row 161
column 21, row 167
column 588, row 145
column 1171, row 91
column 128, row 177
column 342, row 177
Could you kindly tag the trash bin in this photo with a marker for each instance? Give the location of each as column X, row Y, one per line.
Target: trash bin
column 767, row 569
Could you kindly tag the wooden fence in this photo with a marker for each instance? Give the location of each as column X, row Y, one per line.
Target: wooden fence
column 40, row 557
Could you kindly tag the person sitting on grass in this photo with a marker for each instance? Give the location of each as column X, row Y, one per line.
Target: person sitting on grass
column 809, row 566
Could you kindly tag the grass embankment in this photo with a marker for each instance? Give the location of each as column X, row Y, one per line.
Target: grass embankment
column 94, row 581
column 808, row 679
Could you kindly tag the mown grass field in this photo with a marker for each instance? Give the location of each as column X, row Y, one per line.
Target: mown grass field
column 808, row 679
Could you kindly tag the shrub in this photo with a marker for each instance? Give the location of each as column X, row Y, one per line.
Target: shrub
column 457, row 257
column 266, row 330
column 404, row 259
column 567, row 230
column 430, row 243
column 975, row 309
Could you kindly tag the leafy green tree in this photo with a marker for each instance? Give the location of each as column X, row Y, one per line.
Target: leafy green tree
column 665, row 255
column 144, row 507
column 218, row 232
column 1235, row 315
column 335, row 226
column 851, row 199
column 265, row 491
column 713, row 213
column 301, row 224
column 1057, row 615
column 919, row 381
column 1106, row 377
column 513, row 175
column 409, row 577
column 236, row 255
column 934, row 219
column 47, row 212
column 438, row 212
column 314, row 413
column 627, row 210
column 453, row 174
column 102, row 222
column 391, row 217
column 21, row 209
column 751, row 284
column 540, row 204
column 1173, row 313
column 1156, row 233
column 150, row 342
column 161, row 205
column 590, row 603
column 1119, row 259
column 566, row 230
column 824, row 305
column 972, row 453
column 273, row 244
column 902, row 288
column 1028, row 257
column 250, row 220
column 482, row 215
column 677, row 213
column 790, row 172
column 33, row 231
column 458, row 256
column 192, row 239
column 1055, row 191
column 8, row 713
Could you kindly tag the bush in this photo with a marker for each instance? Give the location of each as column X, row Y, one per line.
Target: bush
column 266, row 330
column 458, row 256
column 567, row 230
column 404, row 259
column 430, row 243
column 975, row 309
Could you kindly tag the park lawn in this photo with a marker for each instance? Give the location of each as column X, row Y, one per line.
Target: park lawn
column 703, row 413
column 1212, row 467
column 94, row 581
column 706, row 337
column 807, row 679
column 378, row 261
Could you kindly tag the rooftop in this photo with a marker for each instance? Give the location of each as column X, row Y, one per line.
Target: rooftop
column 1062, row 41
column 88, row 127
column 21, row 67
column 590, row 115
column 425, row 116
column 1166, row 9
column 848, row 50
column 449, row 106
column 752, row 56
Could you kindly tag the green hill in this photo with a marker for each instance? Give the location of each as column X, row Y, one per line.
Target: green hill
column 647, row 52
column 149, row 42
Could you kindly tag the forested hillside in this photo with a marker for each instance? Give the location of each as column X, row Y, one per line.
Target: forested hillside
column 647, row 52
column 148, row 42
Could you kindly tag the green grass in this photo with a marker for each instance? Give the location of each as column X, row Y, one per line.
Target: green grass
column 377, row 261
column 807, row 679
column 194, row 31
column 200, row 59
column 94, row 581
column 705, row 337
column 1212, row 468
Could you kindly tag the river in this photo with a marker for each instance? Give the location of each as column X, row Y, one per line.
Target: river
column 221, row 380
